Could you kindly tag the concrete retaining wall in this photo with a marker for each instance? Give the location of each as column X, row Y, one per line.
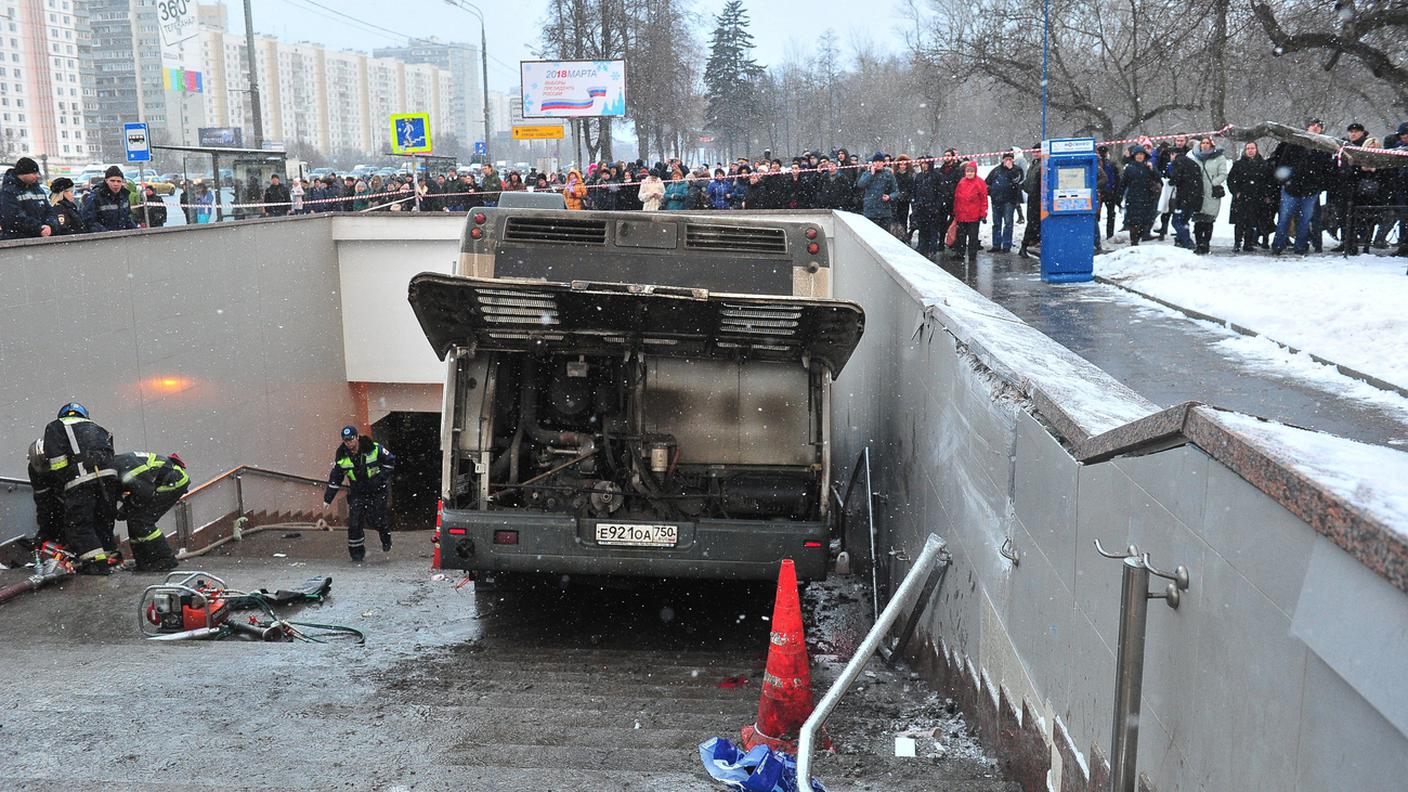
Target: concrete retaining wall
column 222, row 342
column 1283, row 667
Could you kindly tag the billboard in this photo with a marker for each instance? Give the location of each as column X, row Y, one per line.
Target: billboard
column 573, row 89
column 221, row 137
column 177, row 21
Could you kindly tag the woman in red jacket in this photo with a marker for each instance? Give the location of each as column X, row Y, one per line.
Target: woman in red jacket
column 970, row 207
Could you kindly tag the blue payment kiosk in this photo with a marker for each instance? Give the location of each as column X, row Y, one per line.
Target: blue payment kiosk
column 1068, row 204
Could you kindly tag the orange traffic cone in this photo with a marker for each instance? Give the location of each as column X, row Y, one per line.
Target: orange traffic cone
column 786, row 701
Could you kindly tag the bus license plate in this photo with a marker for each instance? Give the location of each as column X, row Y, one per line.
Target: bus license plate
column 637, row 535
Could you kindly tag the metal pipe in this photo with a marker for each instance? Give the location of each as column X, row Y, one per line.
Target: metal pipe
column 934, row 552
column 1129, row 674
column 870, row 528
column 239, row 494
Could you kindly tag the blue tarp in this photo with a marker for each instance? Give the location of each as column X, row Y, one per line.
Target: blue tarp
column 759, row 770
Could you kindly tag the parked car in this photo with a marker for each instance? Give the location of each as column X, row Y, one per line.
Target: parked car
column 150, row 176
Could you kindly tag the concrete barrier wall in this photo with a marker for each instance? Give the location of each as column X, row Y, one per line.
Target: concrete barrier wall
column 1283, row 667
column 222, row 342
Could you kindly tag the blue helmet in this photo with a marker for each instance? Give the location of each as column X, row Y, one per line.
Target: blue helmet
column 73, row 408
column 349, row 432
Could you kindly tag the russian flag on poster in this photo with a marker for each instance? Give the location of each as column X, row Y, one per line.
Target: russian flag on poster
column 593, row 94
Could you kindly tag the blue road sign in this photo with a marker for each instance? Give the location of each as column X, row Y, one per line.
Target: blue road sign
column 480, row 147
column 139, row 143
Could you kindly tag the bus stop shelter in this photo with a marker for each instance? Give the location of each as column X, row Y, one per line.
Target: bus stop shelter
column 250, row 168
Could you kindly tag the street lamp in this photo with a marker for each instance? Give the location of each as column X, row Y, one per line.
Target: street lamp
column 484, row 62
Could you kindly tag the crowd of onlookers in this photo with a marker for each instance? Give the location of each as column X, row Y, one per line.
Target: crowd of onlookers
column 938, row 203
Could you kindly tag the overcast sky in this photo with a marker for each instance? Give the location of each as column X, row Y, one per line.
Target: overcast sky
column 513, row 25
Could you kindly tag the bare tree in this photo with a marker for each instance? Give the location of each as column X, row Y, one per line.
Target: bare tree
column 1115, row 65
column 1374, row 32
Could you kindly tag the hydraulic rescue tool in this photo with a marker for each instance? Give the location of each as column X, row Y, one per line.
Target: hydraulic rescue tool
column 197, row 605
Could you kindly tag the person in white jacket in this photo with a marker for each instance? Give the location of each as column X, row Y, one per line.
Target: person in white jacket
column 652, row 192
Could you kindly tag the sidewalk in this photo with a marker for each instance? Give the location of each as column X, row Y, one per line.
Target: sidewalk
column 1169, row 358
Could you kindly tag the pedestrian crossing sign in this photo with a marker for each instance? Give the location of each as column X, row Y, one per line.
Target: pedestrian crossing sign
column 410, row 133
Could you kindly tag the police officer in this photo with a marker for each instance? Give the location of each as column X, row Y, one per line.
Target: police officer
column 108, row 206
column 79, row 454
column 24, row 210
column 151, row 484
column 66, row 212
column 367, row 467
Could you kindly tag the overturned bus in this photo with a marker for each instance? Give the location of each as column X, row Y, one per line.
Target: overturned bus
column 636, row 394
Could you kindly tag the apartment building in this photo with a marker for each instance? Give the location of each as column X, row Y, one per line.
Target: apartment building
column 42, row 102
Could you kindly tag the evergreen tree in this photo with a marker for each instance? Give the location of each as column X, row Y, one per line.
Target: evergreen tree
column 730, row 77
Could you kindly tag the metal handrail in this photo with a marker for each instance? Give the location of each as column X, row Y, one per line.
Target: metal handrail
column 184, row 528
column 11, row 480
column 935, row 551
column 234, row 472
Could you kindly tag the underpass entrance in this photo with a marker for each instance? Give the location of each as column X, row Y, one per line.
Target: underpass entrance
column 414, row 437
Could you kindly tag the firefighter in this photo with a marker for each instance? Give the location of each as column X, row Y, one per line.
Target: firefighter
column 150, row 484
column 79, row 456
column 48, row 496
column 367, row 467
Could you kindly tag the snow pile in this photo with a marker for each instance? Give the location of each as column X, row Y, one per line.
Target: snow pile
column 1352, row 311
column 1370, row 477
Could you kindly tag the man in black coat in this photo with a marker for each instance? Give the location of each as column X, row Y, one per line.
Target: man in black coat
column 24, row 210
column 1109, row 191
column 1304, row 173
column 1005, row 192
column 108, row 206
column 949, row 173
column 277, row 195
column 833, row 191
column 926, row 207
column 152, row 212
column 1187, row 181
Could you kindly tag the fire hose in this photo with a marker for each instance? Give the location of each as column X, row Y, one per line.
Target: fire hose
column 51, row 563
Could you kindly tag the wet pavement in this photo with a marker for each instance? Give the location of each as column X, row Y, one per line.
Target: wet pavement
column 587, row 688
column 1166, row 357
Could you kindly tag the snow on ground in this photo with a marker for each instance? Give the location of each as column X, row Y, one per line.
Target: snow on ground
column 1369, row 476
column 1263, row 355
column 1353, row 311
